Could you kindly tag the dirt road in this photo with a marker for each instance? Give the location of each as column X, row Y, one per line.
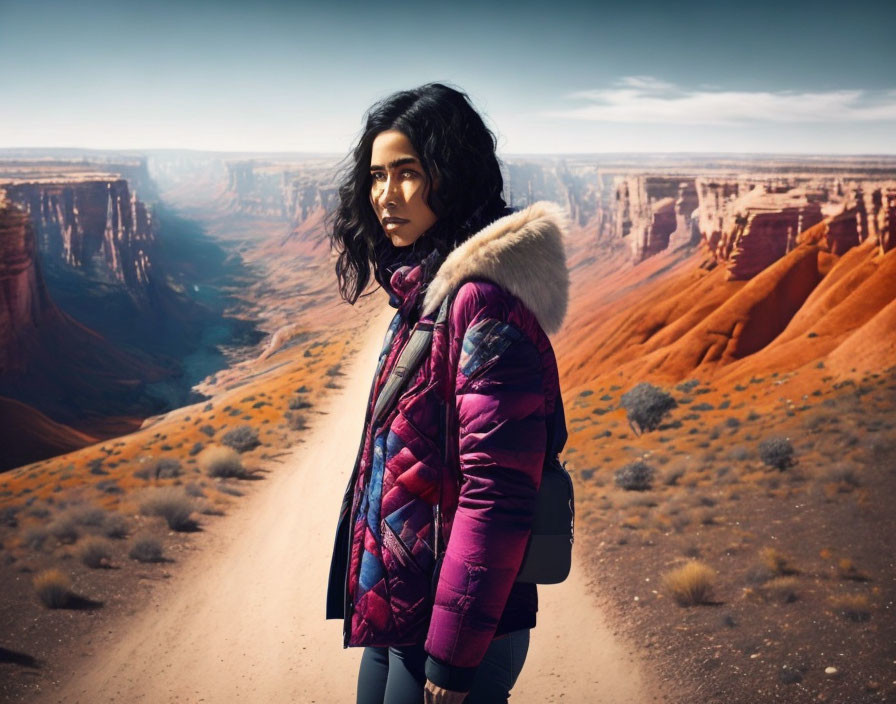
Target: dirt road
column 242, row 619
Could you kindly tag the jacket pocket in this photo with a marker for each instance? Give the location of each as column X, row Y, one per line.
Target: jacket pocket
column 407, row 557
column 407, row 534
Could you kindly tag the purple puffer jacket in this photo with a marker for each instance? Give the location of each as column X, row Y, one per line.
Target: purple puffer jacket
column 493, row 370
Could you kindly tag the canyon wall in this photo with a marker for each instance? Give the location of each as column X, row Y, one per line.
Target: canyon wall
column 23, row 294
column 746, row 213
column 655, row 213
column 287, row 191
column 749, row 223
column 96, row 226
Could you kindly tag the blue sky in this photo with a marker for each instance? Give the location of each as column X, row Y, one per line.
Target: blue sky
column 551, row 77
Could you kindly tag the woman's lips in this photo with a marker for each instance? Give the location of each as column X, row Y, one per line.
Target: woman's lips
column 391, row 223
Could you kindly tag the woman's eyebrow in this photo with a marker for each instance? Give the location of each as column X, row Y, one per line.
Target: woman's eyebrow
column 393, row 164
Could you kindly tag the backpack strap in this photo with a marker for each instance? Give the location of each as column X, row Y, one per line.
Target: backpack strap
column 409, row 361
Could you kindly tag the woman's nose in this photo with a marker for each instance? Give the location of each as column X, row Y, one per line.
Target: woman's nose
column 388, row 191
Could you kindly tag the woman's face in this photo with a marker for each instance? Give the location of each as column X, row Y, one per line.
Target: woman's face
column 399, row 188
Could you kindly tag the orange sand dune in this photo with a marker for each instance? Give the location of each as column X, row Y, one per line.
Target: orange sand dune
column 673, row 318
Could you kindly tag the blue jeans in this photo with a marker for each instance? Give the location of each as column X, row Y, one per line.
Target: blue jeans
column 395, row 675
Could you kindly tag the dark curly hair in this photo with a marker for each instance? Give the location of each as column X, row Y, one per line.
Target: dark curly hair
column 453, row 143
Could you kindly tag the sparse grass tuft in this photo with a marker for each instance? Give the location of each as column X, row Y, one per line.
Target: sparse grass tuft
column 64, row 528
column 777, row 562
column 690, row 584
column 115, row 526
column 242, row 438
column 854, row 607
column 220, row 461
column 94, row 552
column 172, row 504
column 35, row 536
column 53, row 588
column 779, row 589
column 146, row 548
column 635, row 476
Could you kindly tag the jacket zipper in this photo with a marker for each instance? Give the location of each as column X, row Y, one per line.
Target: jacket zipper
column 348, row 604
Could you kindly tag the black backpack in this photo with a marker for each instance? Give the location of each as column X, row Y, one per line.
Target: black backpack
column 548, row 556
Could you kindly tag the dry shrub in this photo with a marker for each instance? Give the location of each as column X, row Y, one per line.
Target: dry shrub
column 172, row 504
column 847, row 570
column 691, row 583
column 64, row 528
column 220, row 461
column 779, row 589
column 115, row 526
column 146, row 548
column 854, row 607
column 53, row 588
column 777, row 562
column 95, row 552
column 35, row 536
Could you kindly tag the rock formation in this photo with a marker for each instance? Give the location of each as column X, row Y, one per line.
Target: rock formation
column 654, row 213
column 289, row 191
column 24, row 300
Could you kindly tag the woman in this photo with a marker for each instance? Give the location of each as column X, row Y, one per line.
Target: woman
column 420, row 207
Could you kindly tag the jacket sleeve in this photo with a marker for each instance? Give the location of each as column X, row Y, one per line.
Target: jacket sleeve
column 502, row 435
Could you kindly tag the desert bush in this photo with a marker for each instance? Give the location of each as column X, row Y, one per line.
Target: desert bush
column 64, row 528
column 35, row 536
column 854, row 607
column 196, row 449
column 635, row 476
column 193, row 489
column 86, row 515
column 146, row 548
column 109, row 486
column 691, row 583
column 220, row 461
column 53, row 588
column 686, row 386
column 296, row 403
column 779, row 589
column 172, row 504
column 776, row 452
column 847, row 570
column 646, row 405
column 166, row 468
column 842, row 474
column 297, row 421
column 115, row 526
column 208, row 430
column 94, row 552
column 242, row 438
column 777, row 562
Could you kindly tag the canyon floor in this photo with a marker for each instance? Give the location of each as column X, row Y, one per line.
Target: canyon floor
column 240, row 619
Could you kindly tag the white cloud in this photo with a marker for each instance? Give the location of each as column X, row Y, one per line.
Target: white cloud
column 644, row 99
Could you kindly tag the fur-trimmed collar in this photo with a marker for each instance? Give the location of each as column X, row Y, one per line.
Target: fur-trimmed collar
column 522, row 252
